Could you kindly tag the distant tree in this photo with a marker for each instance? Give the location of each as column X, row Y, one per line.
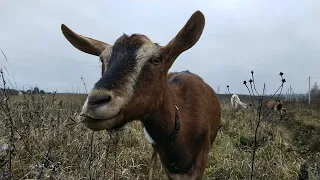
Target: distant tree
column 10, row 91
column 42, row 91
column 35, row 90
column 315, row 91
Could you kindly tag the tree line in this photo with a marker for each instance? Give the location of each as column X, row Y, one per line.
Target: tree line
column 34, row 90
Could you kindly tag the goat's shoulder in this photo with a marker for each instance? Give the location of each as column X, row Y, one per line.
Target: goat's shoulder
column 184, row 78
column 191, row 88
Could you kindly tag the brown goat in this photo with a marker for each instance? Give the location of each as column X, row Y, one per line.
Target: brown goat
column 275, row 105
column 179, row 110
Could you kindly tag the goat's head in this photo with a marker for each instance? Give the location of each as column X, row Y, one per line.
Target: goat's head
column 283, row 111
column 244, row 105
column 278, row 105
column 134, row 74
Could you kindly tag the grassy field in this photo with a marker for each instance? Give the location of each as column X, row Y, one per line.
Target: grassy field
column 50, row 144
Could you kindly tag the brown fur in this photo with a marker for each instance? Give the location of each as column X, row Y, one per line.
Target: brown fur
column 156, row 93
column 200, row 119
column 273, row 105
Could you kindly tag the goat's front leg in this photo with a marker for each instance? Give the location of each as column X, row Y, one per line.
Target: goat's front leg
column 152, row 164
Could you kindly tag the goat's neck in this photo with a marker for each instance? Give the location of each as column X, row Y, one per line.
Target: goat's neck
column 160, row 124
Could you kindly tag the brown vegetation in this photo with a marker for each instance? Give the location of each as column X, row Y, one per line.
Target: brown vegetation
column 286, row 149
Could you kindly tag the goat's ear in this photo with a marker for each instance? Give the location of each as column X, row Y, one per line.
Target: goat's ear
column 84, row 44
column 186, row 38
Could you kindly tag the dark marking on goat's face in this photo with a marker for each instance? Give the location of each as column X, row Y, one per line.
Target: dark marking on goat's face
column 121, row 64
column 133, row 77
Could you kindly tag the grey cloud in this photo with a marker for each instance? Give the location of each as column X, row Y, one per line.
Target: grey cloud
column 239, row 36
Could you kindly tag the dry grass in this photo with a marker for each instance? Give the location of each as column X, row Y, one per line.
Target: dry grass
column 50, row 145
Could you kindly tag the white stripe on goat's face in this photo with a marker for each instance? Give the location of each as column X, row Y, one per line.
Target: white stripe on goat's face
column 121, row 69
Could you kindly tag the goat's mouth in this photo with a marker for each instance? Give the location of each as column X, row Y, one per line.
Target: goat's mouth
column 112, row 123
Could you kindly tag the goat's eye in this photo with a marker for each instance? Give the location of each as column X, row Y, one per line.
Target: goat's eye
column 155, row 60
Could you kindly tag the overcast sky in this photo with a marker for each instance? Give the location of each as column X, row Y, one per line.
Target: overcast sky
column 239, row 36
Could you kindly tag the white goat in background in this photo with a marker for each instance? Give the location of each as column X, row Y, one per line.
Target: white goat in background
column 235, row 102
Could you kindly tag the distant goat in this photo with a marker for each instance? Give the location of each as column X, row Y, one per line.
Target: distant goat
column 236, row 102
column 275, row 105
column 272, row 104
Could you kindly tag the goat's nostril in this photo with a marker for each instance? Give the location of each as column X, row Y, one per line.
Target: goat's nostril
column 98, row 100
